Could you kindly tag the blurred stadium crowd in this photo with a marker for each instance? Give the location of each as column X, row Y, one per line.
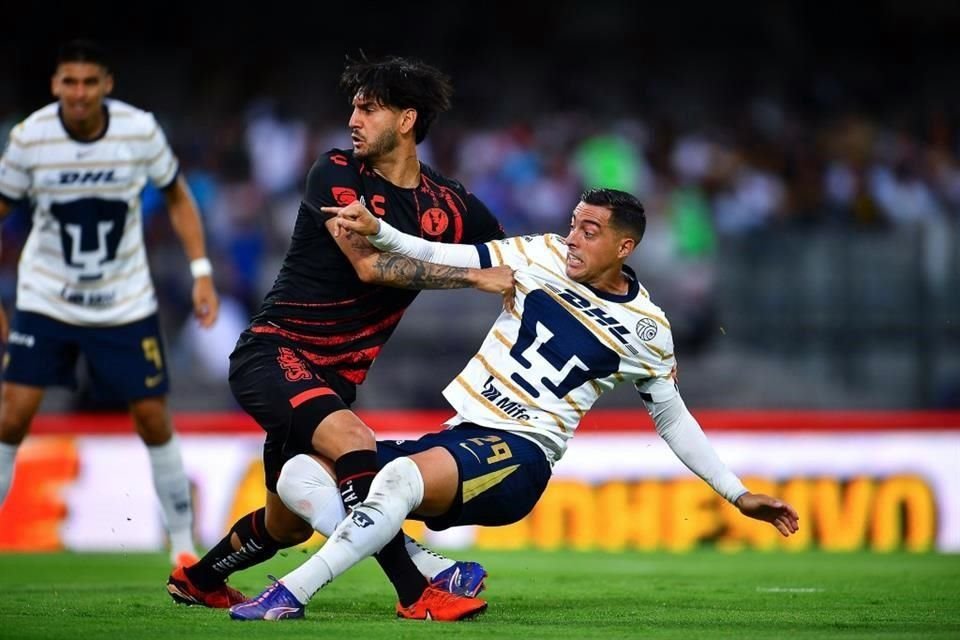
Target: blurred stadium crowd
column 802, row 184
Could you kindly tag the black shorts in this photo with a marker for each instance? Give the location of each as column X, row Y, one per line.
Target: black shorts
column 286, row 394
column 502, row 475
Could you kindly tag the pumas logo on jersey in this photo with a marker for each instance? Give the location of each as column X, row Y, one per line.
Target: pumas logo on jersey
column 23, row 339
column 87, row 177
column 509, row 406
column 646, row 329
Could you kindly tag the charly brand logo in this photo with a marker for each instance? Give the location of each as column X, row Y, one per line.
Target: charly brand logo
column 647, row 329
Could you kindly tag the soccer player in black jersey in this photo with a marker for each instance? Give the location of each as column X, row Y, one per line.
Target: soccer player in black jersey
column 334, row 304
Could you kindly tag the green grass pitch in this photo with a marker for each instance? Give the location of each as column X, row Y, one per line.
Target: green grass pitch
column 704, row 594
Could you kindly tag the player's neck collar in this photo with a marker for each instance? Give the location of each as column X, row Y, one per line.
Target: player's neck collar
column 633, row 288
column 75, row 138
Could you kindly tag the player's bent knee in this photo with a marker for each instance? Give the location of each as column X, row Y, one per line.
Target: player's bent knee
column 401, row 479
column 340, row 433
column 301, row 475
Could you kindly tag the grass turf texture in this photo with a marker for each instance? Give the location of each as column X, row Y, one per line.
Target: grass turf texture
column 532, row 595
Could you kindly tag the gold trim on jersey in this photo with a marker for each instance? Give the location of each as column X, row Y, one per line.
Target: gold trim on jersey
column 586, row 322
column 89, row 165
column 13, row 165
column 492, row 407
column 657, row 351
column 89, row 188
column 502, row 338
column 138, row 294
column 549, row 243
column 475, row 486
column 517, row 241
column 652, row 316
column 169, row 174
column 130, row 253
column 596, row 387
column 88, row 285
column 13, row 188
column 496, row 250
column 518, row 391
column 48, row 251
column 156, row 157
column 575, row 406
column 65, row 139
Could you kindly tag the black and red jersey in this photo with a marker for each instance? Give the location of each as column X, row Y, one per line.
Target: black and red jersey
column 317, row 301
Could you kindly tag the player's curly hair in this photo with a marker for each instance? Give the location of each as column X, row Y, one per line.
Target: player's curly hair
column 403, row 83
column 82, row 51
column 626, row 212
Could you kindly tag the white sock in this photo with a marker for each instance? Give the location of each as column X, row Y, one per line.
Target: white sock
column 8, row 457
column 428, row 561
column 173, row 489
column 308, row 489
column 395, row 491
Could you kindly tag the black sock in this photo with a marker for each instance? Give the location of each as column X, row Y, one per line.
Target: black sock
column 355, row 472
column 256, row 546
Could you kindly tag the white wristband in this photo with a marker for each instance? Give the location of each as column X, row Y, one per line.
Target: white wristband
column 200, row 268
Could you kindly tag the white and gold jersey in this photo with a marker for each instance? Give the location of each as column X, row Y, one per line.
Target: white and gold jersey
column 543, row 366
column 84, row 261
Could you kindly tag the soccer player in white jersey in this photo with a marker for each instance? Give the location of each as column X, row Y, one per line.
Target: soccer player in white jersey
column 580, row 324
column 84, row 285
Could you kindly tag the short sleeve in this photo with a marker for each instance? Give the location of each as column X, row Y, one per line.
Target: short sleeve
column 659, row 361
column 514, row 252
column 162, row 165
column 331, row 182
column 15, row 175
column 481, row 225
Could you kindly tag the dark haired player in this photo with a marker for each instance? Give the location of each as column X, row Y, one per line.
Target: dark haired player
column 334, row 304
column 83, row 284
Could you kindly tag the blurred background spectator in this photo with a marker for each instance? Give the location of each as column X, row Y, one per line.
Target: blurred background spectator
column 800, row 164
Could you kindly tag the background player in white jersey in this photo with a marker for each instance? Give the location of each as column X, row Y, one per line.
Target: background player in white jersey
column 84, row 284
column 580, row 324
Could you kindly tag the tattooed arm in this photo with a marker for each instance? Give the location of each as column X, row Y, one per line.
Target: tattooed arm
column 394, row 270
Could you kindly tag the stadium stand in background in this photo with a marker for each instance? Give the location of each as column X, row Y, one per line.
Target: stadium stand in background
column 802, row 179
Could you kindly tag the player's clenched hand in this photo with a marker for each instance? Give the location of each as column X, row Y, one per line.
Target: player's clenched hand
column 498, row 280
column 206, row 305
column 354, row 217
column 776, row 512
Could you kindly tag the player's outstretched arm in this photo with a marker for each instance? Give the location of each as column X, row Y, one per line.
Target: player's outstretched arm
column 400, row 269
column 185, row 219
column 681, row 431
column 776, row 512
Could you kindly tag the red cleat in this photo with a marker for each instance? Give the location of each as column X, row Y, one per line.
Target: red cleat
column 185, row 559
column 442, row 606
column 185, row 592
